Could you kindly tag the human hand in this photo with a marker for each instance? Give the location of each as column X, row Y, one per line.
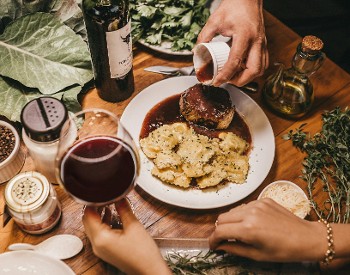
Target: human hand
column 266, row 231
column 243, row 21
column 131, row 249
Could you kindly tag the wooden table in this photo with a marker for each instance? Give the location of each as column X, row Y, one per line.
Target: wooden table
column 332, row 88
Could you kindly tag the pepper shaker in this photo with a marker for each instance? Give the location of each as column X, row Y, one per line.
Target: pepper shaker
column 42, row 120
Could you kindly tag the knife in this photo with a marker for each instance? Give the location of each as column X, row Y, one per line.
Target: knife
column 167, row 70
column 183, row 243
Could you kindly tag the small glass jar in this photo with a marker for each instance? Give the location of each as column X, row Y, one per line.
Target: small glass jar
column 42, row 120
column 289, row 91
column 31, row 201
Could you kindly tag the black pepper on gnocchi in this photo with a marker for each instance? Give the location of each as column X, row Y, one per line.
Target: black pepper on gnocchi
column 184, row 158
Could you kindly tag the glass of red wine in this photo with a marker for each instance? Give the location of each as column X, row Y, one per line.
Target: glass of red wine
column 97, row 162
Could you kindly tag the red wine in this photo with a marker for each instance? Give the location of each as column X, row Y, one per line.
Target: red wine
column 98, row 169
column 109, row 36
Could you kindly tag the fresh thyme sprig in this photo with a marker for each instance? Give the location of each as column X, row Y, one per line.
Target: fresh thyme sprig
column 328, row 162
column 201, row 263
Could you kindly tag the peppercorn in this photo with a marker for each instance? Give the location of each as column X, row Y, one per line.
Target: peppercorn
column 7, row 143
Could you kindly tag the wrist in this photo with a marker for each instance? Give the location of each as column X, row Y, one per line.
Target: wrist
column 315, row 242
column 341, row 238
column 330, row 252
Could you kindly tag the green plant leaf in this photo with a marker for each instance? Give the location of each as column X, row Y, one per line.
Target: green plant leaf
column 67, row 11
column 41, row 52
column 13, row 97
column 70, row 99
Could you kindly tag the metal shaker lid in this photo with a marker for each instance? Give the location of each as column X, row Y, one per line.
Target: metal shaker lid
column 26, row 192
column 42, row 118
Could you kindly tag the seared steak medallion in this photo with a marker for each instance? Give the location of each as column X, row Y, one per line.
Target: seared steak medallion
column 207, row 105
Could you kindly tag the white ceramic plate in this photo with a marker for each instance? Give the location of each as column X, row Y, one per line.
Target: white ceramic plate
column 260, row 158
column 165, row 47
column 28, row 262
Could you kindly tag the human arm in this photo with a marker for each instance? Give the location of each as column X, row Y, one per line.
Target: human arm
column 241, row 20
column 265, row 231
column 131, row 249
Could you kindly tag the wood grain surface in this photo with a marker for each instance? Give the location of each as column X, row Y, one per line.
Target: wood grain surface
column 331, row 86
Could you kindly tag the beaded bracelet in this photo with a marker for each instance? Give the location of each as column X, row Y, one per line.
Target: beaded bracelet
column 329, row 255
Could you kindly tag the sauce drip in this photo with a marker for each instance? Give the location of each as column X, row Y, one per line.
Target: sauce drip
column 206, row 72
column 168, row 112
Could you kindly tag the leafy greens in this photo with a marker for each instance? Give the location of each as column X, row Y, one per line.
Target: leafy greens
column 13, row 96
column 39, row 55
column 67, row 11
column 40, row 52
column 175, row 21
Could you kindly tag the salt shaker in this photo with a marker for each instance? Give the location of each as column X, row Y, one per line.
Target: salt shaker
column 42, row 120
column 31, row 201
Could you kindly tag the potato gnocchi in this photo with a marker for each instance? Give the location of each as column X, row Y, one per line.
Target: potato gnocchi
column 183, row 157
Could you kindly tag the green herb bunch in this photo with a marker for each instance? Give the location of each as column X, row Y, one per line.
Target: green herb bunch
column 328, row 163
column 175, row 21
column 204, row 262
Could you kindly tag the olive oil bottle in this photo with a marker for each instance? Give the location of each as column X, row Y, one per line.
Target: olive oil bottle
column 109, row 36
column 289, row 92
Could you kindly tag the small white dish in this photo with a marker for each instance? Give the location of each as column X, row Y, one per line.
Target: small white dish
column 283, row 189
column 30, row 262
column 61, row 247
column 14, row 162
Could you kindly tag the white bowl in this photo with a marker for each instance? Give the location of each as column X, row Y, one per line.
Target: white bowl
column 14, row 162
column 214, row 52
column 303, row 200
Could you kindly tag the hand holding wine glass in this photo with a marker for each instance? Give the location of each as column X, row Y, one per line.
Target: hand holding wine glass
column 113, row 245
column 97, row 161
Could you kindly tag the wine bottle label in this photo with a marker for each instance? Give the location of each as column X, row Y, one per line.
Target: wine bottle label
column 119, row 48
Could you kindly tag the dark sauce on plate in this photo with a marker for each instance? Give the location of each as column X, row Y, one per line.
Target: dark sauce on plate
column 168, row 112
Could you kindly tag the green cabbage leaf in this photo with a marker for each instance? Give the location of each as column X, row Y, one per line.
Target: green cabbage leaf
column 39, row 55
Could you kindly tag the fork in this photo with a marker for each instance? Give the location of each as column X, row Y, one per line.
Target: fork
column 172, row 71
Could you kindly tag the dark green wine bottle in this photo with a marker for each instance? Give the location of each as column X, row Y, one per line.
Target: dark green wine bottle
column 109, row 36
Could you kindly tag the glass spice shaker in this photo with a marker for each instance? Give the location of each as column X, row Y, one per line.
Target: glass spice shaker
column 31, row 201
column 289, row 92
column 42, row 120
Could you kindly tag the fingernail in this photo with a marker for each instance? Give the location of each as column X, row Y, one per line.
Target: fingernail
column 83, row 210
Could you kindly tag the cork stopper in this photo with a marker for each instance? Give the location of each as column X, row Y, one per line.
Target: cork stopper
column 311, row 44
